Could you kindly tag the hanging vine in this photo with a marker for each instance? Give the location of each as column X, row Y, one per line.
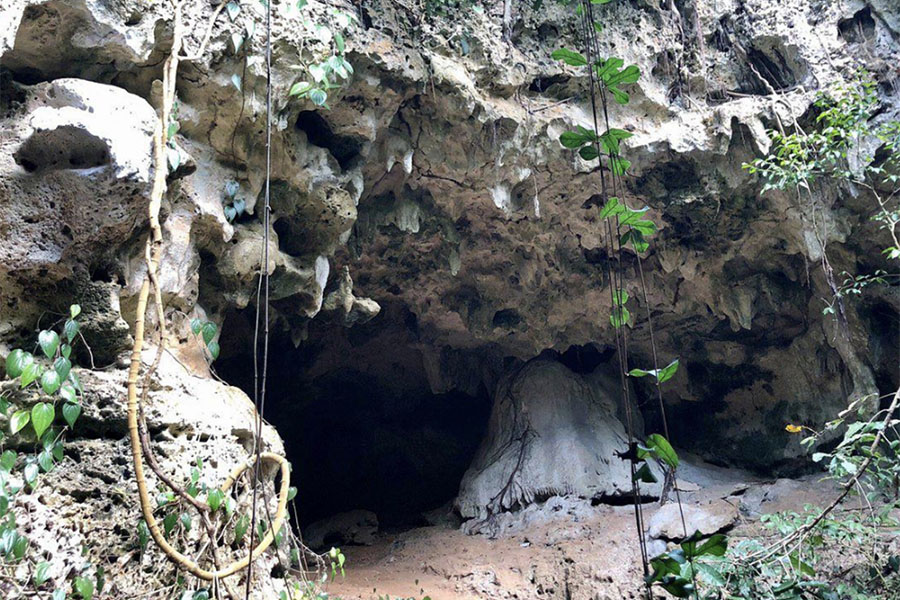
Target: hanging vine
column 137, row 394
column 674, row 570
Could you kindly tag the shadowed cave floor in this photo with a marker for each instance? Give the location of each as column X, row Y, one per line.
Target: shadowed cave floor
column 565, row 549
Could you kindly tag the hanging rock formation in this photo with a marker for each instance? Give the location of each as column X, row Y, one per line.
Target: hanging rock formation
column 437, row 190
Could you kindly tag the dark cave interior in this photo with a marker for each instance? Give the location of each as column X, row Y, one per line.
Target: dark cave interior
column 361, row 427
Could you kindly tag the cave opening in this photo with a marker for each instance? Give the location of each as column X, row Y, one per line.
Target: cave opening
column 361, row 425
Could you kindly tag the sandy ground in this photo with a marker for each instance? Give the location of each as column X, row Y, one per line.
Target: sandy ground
column 567, row 549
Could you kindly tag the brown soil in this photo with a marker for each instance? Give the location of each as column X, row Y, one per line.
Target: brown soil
column 576, row 554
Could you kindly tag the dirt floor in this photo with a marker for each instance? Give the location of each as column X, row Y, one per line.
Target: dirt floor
column 565, row 549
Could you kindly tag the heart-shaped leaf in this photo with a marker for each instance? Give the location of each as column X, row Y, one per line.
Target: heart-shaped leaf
column 16, row 362
column 74, row 311
column 70, row 413
column 70, row 329
column 50, row 381
column 19, row 420
column 31, row 372
column 7, row 460
column 42, row 415
column 49, row 342
column 62, row 366
column 41, row 573
column 209, row 331
column 31, row 472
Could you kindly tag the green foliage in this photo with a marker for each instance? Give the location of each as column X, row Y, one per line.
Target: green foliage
column 207, row 331
column 47, row 373
column 675, row 570
column 233, row 206
column 330, row 69
column 836, row 151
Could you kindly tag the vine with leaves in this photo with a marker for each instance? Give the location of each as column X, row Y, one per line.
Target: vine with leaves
column 626, row 228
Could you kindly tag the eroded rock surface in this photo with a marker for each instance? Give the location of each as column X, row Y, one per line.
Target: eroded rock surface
column 551, row 433
column 436, row 185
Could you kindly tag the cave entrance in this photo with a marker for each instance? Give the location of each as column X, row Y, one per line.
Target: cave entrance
column 361, row 426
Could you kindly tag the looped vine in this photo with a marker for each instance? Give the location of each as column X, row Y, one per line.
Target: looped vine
column 140, row 441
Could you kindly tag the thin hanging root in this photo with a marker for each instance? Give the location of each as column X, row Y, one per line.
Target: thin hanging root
column 154, row 251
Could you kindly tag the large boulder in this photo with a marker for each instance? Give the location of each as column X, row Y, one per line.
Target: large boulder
column 551, row 432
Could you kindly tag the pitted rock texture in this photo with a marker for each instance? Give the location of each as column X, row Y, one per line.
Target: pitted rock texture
column 437, row 180
column 85, row 511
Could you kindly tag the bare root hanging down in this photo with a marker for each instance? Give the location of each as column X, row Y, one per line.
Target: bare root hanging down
column 140, row 442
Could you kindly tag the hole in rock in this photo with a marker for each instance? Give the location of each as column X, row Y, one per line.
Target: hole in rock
column 344, row 148
column 65, row 147
column 361, row 425
column 858, row 28
column 781, row 67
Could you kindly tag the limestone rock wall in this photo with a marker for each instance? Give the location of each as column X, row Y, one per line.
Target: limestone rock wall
column 436, row 180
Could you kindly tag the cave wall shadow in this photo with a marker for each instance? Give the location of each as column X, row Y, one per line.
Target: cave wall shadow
column 360, row 425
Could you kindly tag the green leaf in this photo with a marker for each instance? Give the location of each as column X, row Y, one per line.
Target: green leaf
column 619, row 316
column 339, row 44
column 41, row 573
column 589, row 152
column 16, row 362
column 49, row 342
column 569, row 57
column 70, row 329
column 711, row 574
column 31, row 472
column 30, row 374
column 236, row 81
column 74, row 311
column 300, row 88
column 197, row 324
column 636, row 239
column 169, row 522
column 629, row 74
column 7, row 460
column 143, row 534
column 59, row 594
column 66, row 350
column 45, row 461
column 645, row 475
column 644, row 226
column 611, row 139
column 84, row 587
column 230, row 213
column 663, row 449
column 318, row 97
column 240, row 528
column 50, row 381
column 292, row 493
column 19, row 420
column 667, row 372
column 233, row 8
column 62, row 366
column 213, row 348
column 619, row 96
column 618, row 165
column 185, row 521
column 42, row 415
column 19, row 547
column 209, row 331
column 214, row 498
column 606, row 68
column 620, row 297
column 576, row 139
column 715, row 545
column 70, row 413
column 612, row 208
column 67, row 393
